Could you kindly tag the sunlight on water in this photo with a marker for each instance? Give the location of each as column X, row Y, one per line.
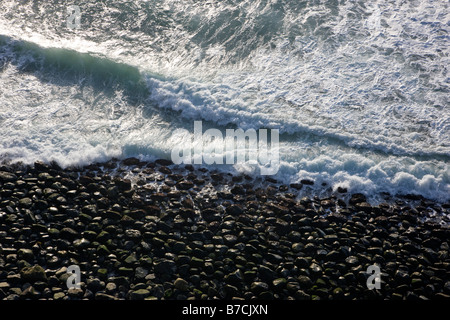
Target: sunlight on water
column 359, row 91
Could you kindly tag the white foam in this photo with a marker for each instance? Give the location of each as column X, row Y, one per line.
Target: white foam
column 359, row 91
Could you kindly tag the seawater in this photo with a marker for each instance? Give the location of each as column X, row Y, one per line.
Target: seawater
column 358, row 90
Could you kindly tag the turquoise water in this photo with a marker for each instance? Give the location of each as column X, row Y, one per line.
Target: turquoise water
column 359, row 91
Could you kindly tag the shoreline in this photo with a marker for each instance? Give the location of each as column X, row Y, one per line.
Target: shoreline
column 153, row 230
column 133, row 168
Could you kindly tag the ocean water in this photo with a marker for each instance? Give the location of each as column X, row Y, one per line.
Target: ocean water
column 358, row 90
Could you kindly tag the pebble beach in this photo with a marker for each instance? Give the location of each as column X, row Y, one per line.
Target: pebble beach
column 158, row 231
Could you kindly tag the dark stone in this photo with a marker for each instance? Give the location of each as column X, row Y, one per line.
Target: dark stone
column 315, row 268
column 164, row 162
column 402, row 277
column 352, row 260
column 411, row 196
column 25, row 202
column 159, row 196
column 211, row 215
column 278, row 209
column 234, row 277
column 266, row 274
column 305, row 282
column 80, row 244
column 238, row 189
column 181, row 284
column 164, row 170
column 279, row 283
column 95, row 284
column 328, row 203
column 234, row 209
column 165, row 266
column 131, row 161
column 230, row 239
column 185, row 185
column 139, row 294
column 25, row 254
column 104, row 296
column 123, row 184
column 337, row 217
column 357, row 198
column 274, row 258
column 68, row 233
column 334, row 256
column 302, row 262
column 41, row 166
column 33, row 274
column 432, row 243
column 231, row 291
column 341, row 190
column 7, row 176
column 258, row 286
column 363, row 206
column 216, row 177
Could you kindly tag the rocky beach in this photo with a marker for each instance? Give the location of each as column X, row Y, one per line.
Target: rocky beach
column 154, row 230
